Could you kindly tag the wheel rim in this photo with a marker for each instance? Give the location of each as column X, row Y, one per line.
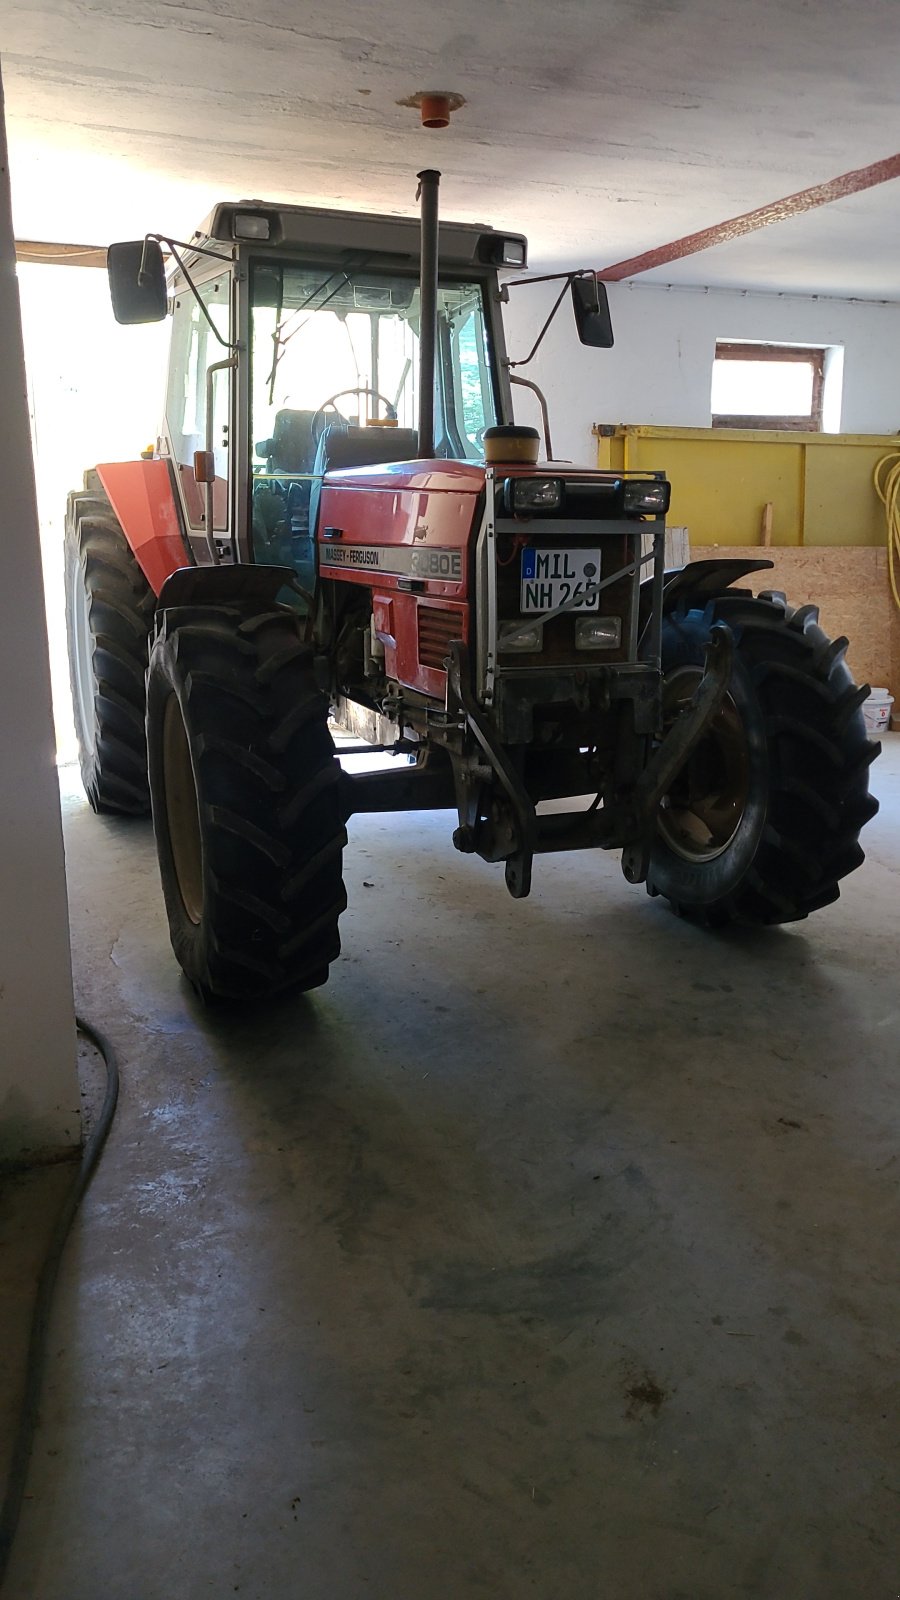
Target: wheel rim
column 704, row 808
column 182, row 810
column 83, row 644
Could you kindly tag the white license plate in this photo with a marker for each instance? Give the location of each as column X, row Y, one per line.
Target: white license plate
column 552, row 578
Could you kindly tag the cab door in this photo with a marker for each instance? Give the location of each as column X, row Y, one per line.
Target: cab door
column 199, row 407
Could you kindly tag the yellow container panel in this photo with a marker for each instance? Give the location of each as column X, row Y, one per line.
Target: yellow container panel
column 819, row 485
column 841, row 504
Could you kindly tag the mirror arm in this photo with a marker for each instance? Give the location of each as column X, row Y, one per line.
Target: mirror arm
column 227, row 344
column 540, row 338
column 196, row 249
column 143, row 271
column 548, row 277
column 184, row 244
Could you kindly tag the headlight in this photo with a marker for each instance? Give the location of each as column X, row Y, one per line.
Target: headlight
column 529, row 637
column 598, row 633
column 648, row 496
column 533, row 494
column 512, row 253
column 247, row 226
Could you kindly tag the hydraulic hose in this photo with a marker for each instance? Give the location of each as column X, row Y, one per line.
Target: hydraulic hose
column 886, row 478
column 14, row 1492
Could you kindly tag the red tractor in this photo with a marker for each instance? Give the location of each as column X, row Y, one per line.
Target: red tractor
column 341, row 525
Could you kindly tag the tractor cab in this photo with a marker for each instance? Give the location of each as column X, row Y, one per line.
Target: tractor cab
column 296, row 349
column 334, row 361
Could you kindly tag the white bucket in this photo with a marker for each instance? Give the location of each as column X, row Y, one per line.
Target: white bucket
column 877, row 712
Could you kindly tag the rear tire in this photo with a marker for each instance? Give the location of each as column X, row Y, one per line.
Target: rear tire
column 246, row 806
column 764, row 822
column 109, row 612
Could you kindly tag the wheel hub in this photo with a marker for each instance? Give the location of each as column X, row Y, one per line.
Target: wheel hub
column 702, row 811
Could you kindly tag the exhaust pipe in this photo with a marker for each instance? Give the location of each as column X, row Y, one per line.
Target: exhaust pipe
column 429, row 182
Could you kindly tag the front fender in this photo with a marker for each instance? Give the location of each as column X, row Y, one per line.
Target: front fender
column 703, row 579
column 698, row 581
column 232, row 584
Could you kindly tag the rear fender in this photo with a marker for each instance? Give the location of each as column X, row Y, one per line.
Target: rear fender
column 142, row 496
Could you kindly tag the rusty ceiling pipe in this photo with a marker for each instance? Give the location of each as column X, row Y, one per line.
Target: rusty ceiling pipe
column 793, row 205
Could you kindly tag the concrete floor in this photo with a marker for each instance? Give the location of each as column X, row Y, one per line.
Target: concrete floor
column 550, row 1250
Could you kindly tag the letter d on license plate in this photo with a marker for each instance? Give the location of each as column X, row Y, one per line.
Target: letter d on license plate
column 552, row 578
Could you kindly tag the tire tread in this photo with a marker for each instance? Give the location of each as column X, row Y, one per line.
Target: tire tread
column 267, row 775
column 99, row 560
column 819, row 758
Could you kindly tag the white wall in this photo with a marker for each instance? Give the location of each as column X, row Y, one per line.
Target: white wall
column 95, row 393
column 660, row 369
column 38, row 1084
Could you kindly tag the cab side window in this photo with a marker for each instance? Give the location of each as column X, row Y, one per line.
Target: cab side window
column 194, row 350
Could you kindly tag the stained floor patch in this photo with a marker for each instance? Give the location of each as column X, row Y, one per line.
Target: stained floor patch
column 645, row 1394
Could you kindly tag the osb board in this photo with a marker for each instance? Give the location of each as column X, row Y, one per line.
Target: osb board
column 850, row 586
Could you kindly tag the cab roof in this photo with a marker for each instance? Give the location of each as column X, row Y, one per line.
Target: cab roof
column 323, row 231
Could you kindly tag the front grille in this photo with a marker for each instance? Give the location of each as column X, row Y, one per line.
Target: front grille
column 437, row 625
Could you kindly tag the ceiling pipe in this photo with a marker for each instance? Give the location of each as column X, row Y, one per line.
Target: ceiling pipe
column 793, row 205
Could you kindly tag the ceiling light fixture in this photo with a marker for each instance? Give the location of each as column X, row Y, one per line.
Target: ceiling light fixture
column 435, row 106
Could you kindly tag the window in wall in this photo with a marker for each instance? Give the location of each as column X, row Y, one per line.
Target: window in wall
column 768, row 386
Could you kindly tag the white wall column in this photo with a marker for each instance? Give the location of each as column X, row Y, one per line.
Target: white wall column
column 39, row 1100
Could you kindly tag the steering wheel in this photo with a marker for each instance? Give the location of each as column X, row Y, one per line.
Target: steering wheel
column 317, row 426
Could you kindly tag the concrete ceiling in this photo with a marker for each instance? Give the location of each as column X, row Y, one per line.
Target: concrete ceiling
column 598, row 127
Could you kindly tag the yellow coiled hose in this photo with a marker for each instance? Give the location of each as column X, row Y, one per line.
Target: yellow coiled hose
column 886, row 478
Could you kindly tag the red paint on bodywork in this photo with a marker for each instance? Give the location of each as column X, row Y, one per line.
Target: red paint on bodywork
column 792, row 205
column 416, row 505
column 439, row 475
column 407, row 667
column 143, row 499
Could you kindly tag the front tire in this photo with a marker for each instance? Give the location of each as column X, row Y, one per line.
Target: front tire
column 109, row 613
column 764, row 821
column 246, row 808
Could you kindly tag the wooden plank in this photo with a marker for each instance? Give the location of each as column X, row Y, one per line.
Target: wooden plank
column 60, row 255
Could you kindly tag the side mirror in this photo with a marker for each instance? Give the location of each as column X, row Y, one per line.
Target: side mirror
column 137, row 281
column 591, row 307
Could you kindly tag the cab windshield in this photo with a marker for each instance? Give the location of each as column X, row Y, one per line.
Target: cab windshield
column 318, row 334
column 342, row 346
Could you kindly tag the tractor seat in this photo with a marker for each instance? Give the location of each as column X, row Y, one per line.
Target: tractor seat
column 281, row 503
column 344, row 446
column 292, row 447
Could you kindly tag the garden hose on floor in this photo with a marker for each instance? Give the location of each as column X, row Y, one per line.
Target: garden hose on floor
column 14, row 1491
column 886, row 478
